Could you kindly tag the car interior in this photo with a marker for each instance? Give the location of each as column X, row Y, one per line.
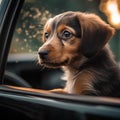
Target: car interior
column 22, row 68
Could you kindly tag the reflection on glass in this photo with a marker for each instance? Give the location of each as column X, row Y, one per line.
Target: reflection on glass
column 0, row 2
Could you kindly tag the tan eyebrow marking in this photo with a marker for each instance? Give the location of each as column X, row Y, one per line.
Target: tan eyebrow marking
column 63, row 27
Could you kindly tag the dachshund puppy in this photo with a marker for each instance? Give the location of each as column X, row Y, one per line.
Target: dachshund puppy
column 77, row 42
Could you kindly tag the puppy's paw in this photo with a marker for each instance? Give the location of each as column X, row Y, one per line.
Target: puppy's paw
column 62, row 91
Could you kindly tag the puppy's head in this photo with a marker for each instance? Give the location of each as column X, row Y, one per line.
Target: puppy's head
column 70, row 36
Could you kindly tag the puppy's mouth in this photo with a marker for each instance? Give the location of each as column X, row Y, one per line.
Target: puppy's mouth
column 54, row 64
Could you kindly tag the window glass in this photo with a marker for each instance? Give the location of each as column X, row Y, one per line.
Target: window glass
column 0, row 2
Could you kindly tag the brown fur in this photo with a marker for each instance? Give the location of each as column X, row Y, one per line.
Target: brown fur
column 77, row 42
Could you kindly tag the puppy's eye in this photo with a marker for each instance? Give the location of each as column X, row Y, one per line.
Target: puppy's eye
column 66, row 34
column 46, row 35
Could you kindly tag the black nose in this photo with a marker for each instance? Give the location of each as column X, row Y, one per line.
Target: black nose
column 43, row 54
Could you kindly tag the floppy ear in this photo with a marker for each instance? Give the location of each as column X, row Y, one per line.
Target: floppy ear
column 95, row 33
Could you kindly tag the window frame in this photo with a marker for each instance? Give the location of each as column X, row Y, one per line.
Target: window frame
column 7, row 24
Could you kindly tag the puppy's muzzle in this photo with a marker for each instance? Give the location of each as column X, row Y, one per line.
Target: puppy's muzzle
column 43, row 54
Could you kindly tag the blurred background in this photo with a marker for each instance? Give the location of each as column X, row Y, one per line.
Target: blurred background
column 27, row 38
column 34, row 14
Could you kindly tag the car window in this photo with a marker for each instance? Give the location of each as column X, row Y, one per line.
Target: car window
column 27, row 37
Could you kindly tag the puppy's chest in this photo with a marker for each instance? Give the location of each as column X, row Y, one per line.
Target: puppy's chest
column 78, row 82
